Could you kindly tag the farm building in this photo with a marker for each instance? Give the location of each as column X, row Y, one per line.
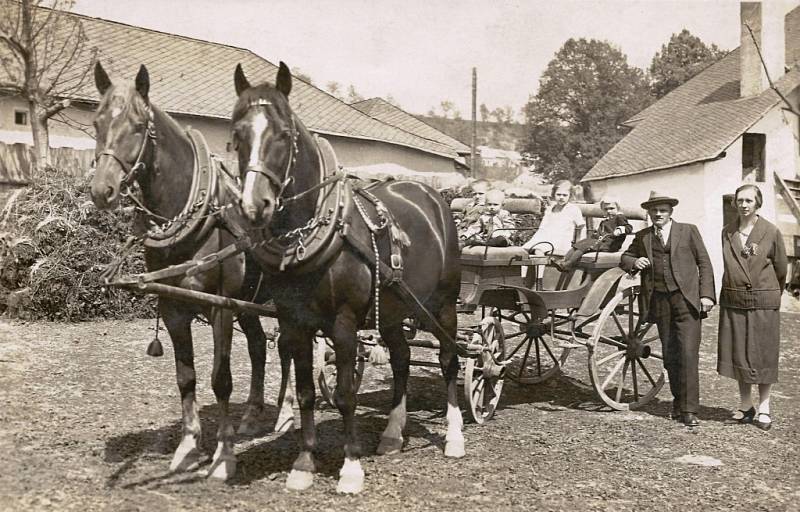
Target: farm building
column 193, row 81
column 724, row 127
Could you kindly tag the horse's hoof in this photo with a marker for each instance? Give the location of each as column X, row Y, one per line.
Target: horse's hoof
column 186, row 459
column 351, row 477
column 389, row 445
column 222, row 469
column 299, row 480
column 454, row 449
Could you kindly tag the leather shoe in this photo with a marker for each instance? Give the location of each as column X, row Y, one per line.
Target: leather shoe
column 747, row 417
column 763, row 425
column 690, row 419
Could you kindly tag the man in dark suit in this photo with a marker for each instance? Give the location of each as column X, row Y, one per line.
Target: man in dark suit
column 677, row 291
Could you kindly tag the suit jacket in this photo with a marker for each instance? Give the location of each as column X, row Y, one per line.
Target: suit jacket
column 501, row 224
column 691, row 265
column 755, row 273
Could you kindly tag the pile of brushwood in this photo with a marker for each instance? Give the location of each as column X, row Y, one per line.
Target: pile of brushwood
column 54, row 244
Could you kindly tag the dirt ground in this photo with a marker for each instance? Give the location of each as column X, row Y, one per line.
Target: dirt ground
column 88, row 422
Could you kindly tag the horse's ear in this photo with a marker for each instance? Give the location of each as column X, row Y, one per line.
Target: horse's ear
column 240, row 81
column 143, row 82
column 101, row 80
column 284, row 81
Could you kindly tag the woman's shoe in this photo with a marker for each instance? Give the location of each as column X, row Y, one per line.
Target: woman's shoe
column 746, row 417
column 763, row 425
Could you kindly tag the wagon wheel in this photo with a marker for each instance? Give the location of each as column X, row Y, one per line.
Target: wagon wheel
column 483, row 375
column 534, row 353
column 625, row 364
column 325, row 361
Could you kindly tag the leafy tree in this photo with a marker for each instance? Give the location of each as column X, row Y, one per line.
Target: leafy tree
column 484, row 110
column 352, row 95
column 587, row 91
column 679, row 60
column 43, row 53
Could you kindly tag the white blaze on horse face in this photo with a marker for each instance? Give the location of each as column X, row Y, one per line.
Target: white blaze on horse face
column 258, row 127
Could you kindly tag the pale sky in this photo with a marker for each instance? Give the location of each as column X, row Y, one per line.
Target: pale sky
column 422, row 51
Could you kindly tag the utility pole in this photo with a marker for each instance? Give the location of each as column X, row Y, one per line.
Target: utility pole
column 473, row 149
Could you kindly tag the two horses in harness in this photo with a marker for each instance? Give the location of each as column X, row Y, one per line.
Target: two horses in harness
column 331, row 253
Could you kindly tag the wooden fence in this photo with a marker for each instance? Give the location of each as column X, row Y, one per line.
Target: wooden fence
column 16, row 164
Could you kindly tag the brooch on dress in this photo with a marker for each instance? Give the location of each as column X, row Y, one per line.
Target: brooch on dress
column 750, row 249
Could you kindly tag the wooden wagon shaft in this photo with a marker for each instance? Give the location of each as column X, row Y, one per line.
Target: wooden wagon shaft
column 195, row 297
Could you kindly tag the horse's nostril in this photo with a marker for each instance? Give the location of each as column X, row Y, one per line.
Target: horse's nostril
column 110, row 192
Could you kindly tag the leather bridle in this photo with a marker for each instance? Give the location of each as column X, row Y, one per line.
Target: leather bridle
column 278, row 182
column 132, row 170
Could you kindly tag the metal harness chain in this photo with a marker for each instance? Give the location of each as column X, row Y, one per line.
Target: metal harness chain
column 373, row 228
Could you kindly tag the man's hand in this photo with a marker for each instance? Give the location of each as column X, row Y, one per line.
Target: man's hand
column 641, row 263
column 706, row 304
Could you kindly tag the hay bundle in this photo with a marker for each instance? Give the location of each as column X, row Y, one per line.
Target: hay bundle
column 53, row 245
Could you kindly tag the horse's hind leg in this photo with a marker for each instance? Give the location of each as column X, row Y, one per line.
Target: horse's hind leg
column 223, row 464
column 178, row 323
column 302, row 346
column 257, row 347
column 400, row 356
column 448, row 360
column 285, row 421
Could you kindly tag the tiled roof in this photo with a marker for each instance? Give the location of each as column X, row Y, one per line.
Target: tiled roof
column 390, row 114
column 695, row 122
column 190, row 76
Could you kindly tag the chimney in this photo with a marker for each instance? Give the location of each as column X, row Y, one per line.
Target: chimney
column 766, row 20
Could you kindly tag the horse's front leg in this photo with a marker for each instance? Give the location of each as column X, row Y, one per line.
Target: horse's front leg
column 345, row 343
column 178, row 320
column 223, row 465
column 301, row 341
column 285, row 421
column 448, row 360
column 257, row 347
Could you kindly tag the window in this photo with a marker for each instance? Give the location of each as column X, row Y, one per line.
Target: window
column 21, row 117
column 753, row 156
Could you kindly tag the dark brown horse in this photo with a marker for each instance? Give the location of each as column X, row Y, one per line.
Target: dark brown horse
column 282, row 184
column 137, row 141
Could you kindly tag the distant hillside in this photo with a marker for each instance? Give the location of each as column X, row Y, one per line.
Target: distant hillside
column 496, row 135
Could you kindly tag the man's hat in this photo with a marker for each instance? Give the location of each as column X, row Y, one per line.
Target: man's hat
column 658, row 198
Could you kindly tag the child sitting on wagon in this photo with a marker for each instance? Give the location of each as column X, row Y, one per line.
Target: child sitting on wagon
column 494, row 227
column 473, row 211
column 608, row 238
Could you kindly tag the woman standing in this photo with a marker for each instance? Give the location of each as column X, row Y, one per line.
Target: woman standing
column 755, row 264
column 562, row 222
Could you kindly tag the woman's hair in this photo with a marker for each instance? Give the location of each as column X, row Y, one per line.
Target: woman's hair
column 561, row 184
column 759, row 197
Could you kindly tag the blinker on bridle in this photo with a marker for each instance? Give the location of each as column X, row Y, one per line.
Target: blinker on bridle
column 132, row 170
column 262, row 169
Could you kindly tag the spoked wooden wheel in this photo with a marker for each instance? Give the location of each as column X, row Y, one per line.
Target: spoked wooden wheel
column 325, row 362
column 534, row 352
column 625, row 362
column 483, row 375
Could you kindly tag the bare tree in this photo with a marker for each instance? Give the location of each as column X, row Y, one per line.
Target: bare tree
column 43, row 59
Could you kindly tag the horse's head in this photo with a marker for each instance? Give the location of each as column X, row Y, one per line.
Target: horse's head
column 264, row 135
column 123, row 126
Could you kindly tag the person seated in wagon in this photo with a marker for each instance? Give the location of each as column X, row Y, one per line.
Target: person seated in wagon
column 494, row 227
column 609, row 236
column 562, row 223
column 474, row 209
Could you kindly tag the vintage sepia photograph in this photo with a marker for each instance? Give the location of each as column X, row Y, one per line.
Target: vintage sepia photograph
column 269, row 255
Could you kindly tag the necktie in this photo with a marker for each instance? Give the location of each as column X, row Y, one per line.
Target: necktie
column 660, row 234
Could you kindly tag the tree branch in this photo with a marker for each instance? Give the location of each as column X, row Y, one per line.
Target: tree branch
column 55, row 109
